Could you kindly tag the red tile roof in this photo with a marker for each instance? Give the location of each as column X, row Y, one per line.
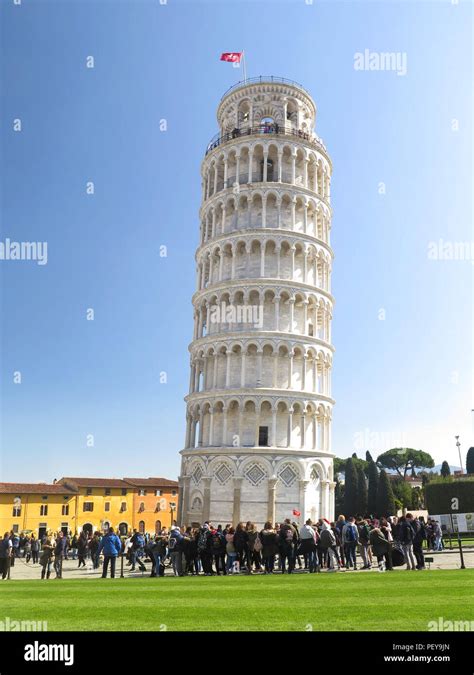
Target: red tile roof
column 35, row 488
column 152, row 482
column 95, row 482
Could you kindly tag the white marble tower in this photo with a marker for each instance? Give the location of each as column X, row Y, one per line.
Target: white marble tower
column 258, row 434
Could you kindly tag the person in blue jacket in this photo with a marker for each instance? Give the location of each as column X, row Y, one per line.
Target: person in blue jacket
column 111, row 546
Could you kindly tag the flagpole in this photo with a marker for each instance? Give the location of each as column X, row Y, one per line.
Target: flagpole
column 245, row 68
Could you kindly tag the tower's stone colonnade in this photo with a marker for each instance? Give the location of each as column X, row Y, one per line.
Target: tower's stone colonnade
column 258, row 431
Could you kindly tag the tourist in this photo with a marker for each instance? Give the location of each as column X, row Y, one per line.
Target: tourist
column 406, row 536
column 46, row 558
column 308, row 536
column 438, row 536
column 27, row 549
column 137, row 550
column 175, row 546
column 203, row 540
column 240, row 543
column 382, row 549
column 253, row 548
column 94, row 550
column 34, row 549
column 82, row 548
column 287, row 541
column 218, row 546
column 269, row 539
column 59, row 553
column 419, row 530
column 230, row 550
column 111, row 545
column 349, row 540
column 329, row 545
column 158, row 551
column 364, row 545
column 5, row 555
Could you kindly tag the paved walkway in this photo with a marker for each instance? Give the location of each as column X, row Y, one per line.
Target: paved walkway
column 442, row 561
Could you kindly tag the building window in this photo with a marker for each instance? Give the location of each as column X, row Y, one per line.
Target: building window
column 141, row 507
column 89, row 491
column 311, row 330
column 173, row 493
column 158, row 507
column 65, row 510
column 107, row 506
column 263, row 436
column 15, row 529
column 141, row 493
column 44, row 497
column 124, row 492
column 88, row 506
column 107, row 492
column 141, row 527
column 157, row 493
column 43, row 510
column 123, row 506
column 16, row 511
column 173, row 505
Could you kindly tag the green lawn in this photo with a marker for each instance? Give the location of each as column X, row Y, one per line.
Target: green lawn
column 343, row 601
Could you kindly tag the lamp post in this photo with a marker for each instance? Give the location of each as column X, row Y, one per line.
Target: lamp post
column 458, row 445
column 172, row 512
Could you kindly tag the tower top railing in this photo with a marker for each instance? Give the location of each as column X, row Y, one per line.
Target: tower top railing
column 264, row 129
column 265, row 79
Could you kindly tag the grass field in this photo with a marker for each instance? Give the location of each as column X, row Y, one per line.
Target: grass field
column 400, row 600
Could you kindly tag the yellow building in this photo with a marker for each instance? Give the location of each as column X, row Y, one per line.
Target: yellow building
column 101, row 503
column 75, row 504
column 36, row 507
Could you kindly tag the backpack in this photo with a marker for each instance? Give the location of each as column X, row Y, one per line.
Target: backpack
column 216, row 542
column 139, row 542
column 172, row 543
column 326, row 540
column 257, row 547
column 202, row 541
column 350, row 534
column 364, row 533
column 289, row 535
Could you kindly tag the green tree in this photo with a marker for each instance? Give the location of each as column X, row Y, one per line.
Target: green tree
column 402, row 460
column 470, row 461
column 350, row 488
column 385, row 498
column 368, row 457
column 372, row 491
column 402, row 491
column 445, row 470
column 361, row 491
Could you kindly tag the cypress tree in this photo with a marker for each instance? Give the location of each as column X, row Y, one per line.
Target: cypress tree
column 350, row 489
column 368, row 457
column 470, row 461
column 361, row 492
column 385, row 498
column 445, row 470
column 372, row 491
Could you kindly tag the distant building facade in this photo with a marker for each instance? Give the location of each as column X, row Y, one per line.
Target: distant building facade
column 74, row 504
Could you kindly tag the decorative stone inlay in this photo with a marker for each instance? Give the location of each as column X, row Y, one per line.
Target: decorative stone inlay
column 288, row 475
column 197, row 474
column 223, row 474
column 255, row 474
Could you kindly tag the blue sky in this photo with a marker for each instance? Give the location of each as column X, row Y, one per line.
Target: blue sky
column 408, row 377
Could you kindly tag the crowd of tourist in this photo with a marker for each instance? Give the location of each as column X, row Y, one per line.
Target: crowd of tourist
column 350, row 544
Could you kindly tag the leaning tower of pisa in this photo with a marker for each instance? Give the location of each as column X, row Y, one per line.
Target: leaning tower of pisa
column 258, row 431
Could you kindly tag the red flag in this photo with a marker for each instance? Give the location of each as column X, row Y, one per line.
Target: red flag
column 296, row 513
column 232, row 57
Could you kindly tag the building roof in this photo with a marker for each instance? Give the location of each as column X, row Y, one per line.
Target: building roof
column 36, row 488
column 95, row 482
column 152, row 482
